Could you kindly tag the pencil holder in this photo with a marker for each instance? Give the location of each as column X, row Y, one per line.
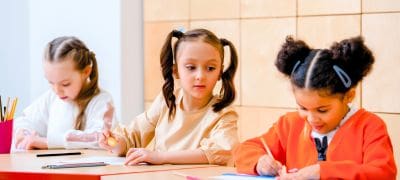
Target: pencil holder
column 6, row 129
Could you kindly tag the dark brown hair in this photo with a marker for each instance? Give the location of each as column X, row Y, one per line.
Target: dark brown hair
column 65, row 46
column 167, row 58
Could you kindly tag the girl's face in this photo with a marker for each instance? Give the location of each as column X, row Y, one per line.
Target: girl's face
column 65, row 79
column 198, row 68
column 323, row 113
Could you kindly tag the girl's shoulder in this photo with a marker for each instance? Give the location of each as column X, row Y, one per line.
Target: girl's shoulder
column 102, row 96
column 291, row 120
column 366, row 118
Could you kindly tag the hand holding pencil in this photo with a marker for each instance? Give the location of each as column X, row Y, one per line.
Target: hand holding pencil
column 107, row 118
column 107, row 140
column 267, row 165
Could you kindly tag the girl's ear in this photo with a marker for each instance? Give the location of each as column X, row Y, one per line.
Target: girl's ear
column 350, row 95
column 175, row 71
column 86, row 72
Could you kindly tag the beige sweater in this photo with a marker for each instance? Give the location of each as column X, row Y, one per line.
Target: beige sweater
column 214, row 133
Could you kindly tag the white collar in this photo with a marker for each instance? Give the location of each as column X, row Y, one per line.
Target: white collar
column 330, row 134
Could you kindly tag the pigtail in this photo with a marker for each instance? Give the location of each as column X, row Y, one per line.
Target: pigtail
column 90, row 89
column 228, row 91
column 167, row 62
column 291, row 55
column 354, row 57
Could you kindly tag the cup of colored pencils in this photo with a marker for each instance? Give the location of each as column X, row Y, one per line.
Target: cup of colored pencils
column 6, row 124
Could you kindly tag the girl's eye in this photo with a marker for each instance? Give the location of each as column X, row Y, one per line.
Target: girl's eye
column 66, row 85
column 190, row 67
column 322, row 110
column 211, row 68
column 303, row 109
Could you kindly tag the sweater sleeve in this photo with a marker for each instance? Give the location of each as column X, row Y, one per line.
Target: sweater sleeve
column 246, row 155
column 378, row 160
column 140, row 132
column 221, row 140
column 35, row 116
column 88, row 138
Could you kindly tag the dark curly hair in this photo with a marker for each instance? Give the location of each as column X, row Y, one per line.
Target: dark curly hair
column 167, row 58
column 335, row 70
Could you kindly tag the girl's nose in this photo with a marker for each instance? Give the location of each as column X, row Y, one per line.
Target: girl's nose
column 57, row 89
column 199, row 75
column 311, row 117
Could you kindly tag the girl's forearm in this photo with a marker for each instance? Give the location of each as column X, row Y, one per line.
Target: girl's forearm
column 184, row 157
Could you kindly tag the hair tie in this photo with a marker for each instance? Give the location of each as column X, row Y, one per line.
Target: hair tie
column 343, row 76
column 295, row 66
column 224, row 42
column 177, row 34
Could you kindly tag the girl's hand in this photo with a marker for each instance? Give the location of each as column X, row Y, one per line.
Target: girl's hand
column 112, row 143
column 268, row 166
column 28, row 140
column 309, row 172
column 20, row 135
column 141, row 155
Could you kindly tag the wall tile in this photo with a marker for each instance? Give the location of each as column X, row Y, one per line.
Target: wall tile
column 214, row 9
column 381, row 87
column 267, row 8
column 393, row 123
column 323, row 7
column 254, row 121
column 228, row 29
column 155, row 34
column 262, row 84
column 380, row 5
column 161, row 10
column 322, row 31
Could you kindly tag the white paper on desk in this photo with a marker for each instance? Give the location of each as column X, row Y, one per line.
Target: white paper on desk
column 106, row 159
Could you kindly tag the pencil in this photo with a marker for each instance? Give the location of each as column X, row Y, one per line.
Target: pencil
column 7, row 109
column 283, row 170
column 14, row 105
column 59, row 154
column 1, row 110
column 266, row 148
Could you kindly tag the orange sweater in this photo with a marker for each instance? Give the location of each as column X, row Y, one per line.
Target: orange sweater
column 360, row 149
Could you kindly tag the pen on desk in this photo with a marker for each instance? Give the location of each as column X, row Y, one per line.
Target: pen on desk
column 73, row 165
column 272, row 156
column 58, row 154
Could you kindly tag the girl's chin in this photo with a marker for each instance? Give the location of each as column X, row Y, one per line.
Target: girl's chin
column 319, row 129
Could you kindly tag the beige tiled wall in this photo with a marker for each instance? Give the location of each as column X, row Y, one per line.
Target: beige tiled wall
column 259, row 27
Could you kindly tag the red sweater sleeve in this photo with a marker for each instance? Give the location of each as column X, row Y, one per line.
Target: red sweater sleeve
column 246, row 154
column 378, row 160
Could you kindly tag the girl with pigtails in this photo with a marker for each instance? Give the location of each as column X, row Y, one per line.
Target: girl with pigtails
column 326, row 138
column 188, row 124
